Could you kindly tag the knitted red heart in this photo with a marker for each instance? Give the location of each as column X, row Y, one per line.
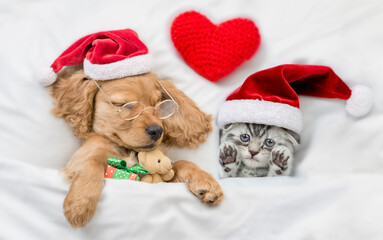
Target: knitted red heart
column 212, row 50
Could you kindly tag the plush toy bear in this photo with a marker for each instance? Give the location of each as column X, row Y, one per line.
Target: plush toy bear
column 158, row 165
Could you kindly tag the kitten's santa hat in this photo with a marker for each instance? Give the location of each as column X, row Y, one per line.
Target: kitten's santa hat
column 105, row 55
column 270, row 96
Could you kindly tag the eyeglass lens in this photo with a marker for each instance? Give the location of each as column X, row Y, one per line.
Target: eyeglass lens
column 163, row 109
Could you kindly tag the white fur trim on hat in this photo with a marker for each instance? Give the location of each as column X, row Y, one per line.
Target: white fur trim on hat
column 360, row 102
column 127, row 67
column 46, row 76
column 261, row 112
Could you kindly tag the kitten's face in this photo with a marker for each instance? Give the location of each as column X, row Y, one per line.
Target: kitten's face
column 255, row 142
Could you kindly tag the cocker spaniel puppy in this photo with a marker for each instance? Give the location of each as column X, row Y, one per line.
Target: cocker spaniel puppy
column 91, row 109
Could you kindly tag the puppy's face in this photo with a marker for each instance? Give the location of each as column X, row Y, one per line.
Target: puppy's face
column 143, row 133
column 79, row 101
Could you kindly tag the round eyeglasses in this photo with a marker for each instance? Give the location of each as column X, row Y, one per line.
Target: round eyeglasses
column 162, row 110
column 132, row 110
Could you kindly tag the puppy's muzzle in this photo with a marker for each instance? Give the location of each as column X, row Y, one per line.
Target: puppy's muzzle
column 154, row 132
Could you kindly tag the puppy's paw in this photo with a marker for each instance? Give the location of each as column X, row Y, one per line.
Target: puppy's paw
column 78, row 210
column 206, row 188
column 280, row 161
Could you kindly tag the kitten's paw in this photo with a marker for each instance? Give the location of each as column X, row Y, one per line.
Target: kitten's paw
column 279, row 162
column 228, row 154
column 228, row 160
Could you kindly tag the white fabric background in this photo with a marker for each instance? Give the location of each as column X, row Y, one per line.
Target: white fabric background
column 336, row 192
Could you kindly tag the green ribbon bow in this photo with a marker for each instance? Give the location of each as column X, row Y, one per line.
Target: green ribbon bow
column 121, row 164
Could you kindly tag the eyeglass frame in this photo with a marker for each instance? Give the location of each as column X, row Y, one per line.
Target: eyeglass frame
column 119, row 109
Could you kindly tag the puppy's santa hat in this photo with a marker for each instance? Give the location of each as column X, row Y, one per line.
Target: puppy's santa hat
column 271, row 96
column 105, row 55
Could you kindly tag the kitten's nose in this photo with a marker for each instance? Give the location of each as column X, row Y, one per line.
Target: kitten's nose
column 154, row 131
column 253, row 153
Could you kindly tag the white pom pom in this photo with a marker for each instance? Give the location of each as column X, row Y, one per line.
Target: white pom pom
column 360, row 102
column 46, row 76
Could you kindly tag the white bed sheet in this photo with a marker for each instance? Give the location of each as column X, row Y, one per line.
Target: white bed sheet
column 336, row 192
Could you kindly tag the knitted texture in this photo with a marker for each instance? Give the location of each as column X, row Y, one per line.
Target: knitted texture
column 214, row 51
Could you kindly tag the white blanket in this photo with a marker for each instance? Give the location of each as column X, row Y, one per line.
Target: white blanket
column 335, row 193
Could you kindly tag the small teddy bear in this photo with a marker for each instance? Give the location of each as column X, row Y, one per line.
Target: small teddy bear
column 158, row 165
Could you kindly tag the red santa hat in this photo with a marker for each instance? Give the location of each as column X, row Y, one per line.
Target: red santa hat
column 105, row 55
column 271, row 96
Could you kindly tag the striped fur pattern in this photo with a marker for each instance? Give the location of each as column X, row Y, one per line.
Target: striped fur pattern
column 256, row 150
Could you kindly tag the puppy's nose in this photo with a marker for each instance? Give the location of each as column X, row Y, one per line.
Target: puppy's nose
column 154, row 132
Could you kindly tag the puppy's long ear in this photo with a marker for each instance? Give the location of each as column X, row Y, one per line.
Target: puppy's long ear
column 74, row 94
column 188, row 126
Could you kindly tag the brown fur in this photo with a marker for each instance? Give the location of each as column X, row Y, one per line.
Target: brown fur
column 105, row 134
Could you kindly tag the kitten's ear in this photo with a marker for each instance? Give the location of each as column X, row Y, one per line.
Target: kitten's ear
column 227, row 126
column 220, row 135
column 295, row 136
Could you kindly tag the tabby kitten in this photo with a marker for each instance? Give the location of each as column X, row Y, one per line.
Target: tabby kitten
column 256, row 150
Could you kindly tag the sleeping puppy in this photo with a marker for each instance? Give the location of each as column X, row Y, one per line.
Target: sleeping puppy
column 89, row 107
